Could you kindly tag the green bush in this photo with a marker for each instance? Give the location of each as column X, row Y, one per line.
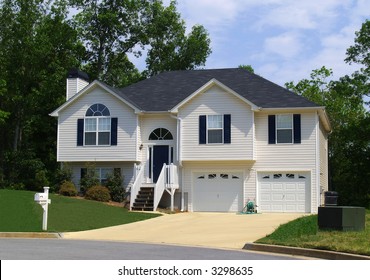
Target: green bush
column 68, row 189
column 88, row 177
column 114, row 184
column 98, row 193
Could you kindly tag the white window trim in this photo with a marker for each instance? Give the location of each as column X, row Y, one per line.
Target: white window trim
column 222, row 130
column 276, row 130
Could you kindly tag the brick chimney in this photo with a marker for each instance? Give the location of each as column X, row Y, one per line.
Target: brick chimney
column 76, row 81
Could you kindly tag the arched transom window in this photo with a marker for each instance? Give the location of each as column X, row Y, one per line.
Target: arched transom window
column 97, row 125
column 160, row 134
column 97, row 110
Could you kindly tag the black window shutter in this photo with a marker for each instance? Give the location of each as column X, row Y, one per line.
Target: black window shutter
column 83, row 173
column 113, row 134
column 227, row 129
column 272, row 129
column 80, row 132
column 202, row 129
column 117, row 171
column 297, row 128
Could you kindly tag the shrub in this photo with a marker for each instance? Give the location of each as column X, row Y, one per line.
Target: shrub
column 68, row 189
column 98, row 193
column 88, row 178
column 114, row 184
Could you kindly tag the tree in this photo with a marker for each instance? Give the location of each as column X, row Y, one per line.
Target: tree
column 170, row 48
column 246, row 67
column 349, row 142
column 112, row 29
column 37, row 47
column 360, row 51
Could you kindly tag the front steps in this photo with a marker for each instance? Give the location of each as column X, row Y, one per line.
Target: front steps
column 144, row 199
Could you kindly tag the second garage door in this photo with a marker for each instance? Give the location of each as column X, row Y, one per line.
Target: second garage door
column 284, row 192
column 218, row 192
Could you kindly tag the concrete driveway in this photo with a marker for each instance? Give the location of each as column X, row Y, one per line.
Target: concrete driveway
column 218, row 230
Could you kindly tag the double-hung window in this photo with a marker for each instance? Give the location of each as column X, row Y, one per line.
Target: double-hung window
column 284, row 128
column 215, row 129
column 97, row 131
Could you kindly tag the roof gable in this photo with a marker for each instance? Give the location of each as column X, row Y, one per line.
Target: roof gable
column 88, row 89
column 165, row 91
column 207, row 86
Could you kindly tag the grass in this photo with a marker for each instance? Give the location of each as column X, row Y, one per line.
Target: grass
column 303, row 232
column 19, row 213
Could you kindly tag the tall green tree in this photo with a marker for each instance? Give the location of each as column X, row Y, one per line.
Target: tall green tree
column 170, row 48
column 349, row 142
column 37, row 47
column 112, row 29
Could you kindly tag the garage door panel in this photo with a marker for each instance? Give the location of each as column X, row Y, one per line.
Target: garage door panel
column 265, row 187
column 277, row 187
column 277, row 197
column 290, row 186
column 290, row 197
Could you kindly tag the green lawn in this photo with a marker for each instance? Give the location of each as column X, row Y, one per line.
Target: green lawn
column 19, row 213
column 303, row 232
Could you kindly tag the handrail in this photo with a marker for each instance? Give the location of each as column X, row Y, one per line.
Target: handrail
column 168, row 180
column 137, row 185
column 159, row 187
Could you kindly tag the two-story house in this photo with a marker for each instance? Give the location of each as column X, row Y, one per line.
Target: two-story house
column 201, row 140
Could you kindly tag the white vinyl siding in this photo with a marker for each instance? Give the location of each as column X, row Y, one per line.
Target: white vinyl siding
column 67, row 130
column 284, row 157
column 217, row 102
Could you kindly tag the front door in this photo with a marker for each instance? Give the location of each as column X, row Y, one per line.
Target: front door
column 160, row 156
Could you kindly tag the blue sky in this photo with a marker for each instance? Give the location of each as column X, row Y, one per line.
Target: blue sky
column 283, row 40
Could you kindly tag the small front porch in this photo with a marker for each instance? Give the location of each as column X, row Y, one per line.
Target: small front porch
column 146, row 196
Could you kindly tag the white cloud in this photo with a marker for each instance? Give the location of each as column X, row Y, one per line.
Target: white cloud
column 287, row 45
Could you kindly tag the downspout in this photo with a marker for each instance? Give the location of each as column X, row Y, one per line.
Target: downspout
column 318, row 181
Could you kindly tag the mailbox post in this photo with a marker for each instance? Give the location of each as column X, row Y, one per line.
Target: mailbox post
column 44, row 201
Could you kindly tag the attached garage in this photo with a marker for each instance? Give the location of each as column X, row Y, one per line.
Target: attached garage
column 284, row 192
column 218, row 192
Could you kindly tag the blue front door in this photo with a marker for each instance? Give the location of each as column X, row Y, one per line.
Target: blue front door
column 160, row 156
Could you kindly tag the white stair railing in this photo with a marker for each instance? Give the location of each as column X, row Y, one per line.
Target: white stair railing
column 137, row 184
column 168, row 180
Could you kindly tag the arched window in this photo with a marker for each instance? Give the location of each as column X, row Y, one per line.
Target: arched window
column 160, row 134
column 97, row 110
column 97, row 126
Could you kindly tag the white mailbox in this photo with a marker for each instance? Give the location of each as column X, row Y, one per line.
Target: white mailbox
column 44, row 201
column 41, row 197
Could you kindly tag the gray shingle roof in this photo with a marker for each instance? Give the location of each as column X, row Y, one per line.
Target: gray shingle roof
column 164, row 91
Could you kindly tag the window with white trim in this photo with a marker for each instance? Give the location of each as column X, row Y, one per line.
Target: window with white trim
column 284, row 128
column 215, row 129
column 97, row 126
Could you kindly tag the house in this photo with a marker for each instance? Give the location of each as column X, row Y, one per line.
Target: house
column 199, row 140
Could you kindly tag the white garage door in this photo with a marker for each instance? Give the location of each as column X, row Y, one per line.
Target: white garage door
column 218, row 192
column 284, row 192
